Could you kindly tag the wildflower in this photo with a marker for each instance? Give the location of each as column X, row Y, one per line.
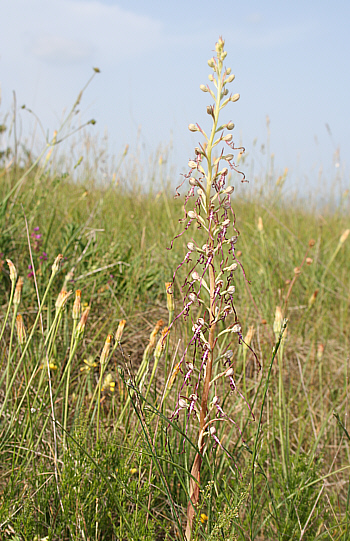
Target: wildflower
column 133, row 471
column 90, row 365
column 57, row 263
column 62, row 299
column 204, row 518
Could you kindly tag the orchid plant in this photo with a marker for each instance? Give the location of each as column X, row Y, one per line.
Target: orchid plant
column 209, row 286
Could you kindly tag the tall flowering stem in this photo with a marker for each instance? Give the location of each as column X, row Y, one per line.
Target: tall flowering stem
column 209, row 283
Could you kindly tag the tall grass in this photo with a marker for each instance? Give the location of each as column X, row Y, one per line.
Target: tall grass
column 89, row 445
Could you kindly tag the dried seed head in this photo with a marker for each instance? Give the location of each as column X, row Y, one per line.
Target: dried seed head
column 77, row 305
column 18, row 291
column 173, row 376
column 160, row 345
column 230, row 126
column 21, row 331
column 192, row 127
column 13, row 271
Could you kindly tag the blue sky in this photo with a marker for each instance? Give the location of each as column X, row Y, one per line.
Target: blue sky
column 290, row 58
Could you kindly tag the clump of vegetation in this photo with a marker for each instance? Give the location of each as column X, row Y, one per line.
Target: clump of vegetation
column 100, row 437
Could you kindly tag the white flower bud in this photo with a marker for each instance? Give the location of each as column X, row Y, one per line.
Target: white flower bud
column 192, row 164
column 227, row 137
column 231, row 290
column 230, row 126
column 195, row 276
column 191, row 247
column 192, row 181
column 192, row 215
column 182, row 403
column 192, row 127
column 229, row 372
column 212, row 430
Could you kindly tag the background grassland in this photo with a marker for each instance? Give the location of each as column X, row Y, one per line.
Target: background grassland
column 130, row 479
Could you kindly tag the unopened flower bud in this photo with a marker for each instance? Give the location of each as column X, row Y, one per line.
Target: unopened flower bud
column 119, row 331
column 236, row 328
column 192, row 164
column 229, row 372
column 13, row 271
column 21, row 331
column 312, row 299
column 204, row 88
column 210, row 110
column 195, row 276
column 192, row 215
column 230, row 126
column 192, row 181
column 192, row 127
column 81, row 325
column 62, row 299
column 211, row 77
column 344, row 236
column 228, row 71
column 230, row 78
column 228, row 157
column 106, row 349
column 308, row 260
column 211, row 63
column 297, row 271
column 230, row 290
column 77, row 305
column 57, row 264
column 227, row 137
column 192, row 297
column 216, row 400
column 229, row 190
column 235, row 97
column 18, row 291
column 212, row 430
column 231, row 268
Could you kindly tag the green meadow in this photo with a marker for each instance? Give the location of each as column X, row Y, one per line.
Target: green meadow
column 90, row 447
